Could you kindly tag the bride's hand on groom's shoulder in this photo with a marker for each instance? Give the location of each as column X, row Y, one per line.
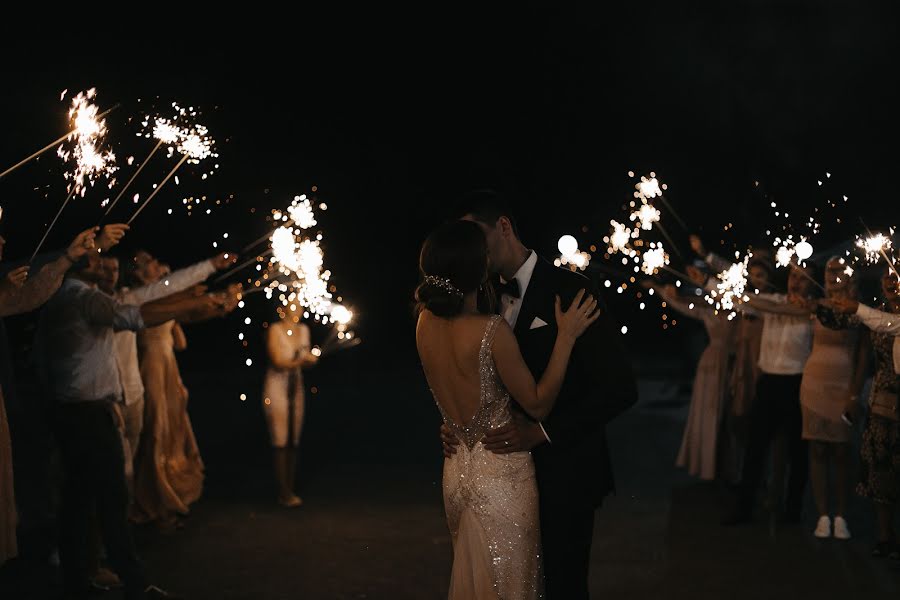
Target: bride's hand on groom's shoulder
column 580, row 315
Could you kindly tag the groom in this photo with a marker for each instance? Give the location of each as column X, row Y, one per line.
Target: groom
column 571, row 457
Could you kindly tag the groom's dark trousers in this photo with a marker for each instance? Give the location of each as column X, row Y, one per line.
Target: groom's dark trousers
column 574, row 471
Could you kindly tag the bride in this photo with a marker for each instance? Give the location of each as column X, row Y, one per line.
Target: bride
column 473, row 367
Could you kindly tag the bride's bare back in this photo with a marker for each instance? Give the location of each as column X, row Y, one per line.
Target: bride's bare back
column 449, row 351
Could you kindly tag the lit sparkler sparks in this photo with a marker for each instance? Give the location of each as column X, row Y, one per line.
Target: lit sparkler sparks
column 732, row 285
column 654, row 259
column 194, row 143
column 646, row 216
column 648, row 187
column 784, row 256
column 874, row 246
column 301, row 212
column 90, row 160
column 620, row 238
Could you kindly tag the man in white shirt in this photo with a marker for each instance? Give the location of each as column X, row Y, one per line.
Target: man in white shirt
column 785, row 347
column 157, row 285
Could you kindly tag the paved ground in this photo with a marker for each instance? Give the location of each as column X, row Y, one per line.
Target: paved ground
column 372, row 525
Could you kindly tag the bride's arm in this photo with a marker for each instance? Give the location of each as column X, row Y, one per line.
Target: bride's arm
column 537, row 398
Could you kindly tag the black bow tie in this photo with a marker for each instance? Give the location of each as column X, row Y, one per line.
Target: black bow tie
column 510, row 288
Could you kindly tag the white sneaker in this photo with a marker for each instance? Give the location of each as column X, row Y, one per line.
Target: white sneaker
column 841, row 531
column 823, row 528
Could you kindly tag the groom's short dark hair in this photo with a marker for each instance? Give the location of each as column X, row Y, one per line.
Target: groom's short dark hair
column 486, row 206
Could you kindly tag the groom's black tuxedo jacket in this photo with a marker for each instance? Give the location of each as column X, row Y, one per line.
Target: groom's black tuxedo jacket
column 599, row 385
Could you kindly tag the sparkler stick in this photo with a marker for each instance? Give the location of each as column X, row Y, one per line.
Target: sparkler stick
column 344, row 344
column 678, row 274
column 88, row 158
column 242, row 266
column 53, row 144
column 254, row 290
column 159, row 187
column 195, row 144
column 46, row 233
column 666, row 235
column 133, row 177
column 266, row 236
column 805, row 274
column 674, row 214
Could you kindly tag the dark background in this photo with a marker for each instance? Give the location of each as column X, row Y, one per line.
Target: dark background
column 392, row 114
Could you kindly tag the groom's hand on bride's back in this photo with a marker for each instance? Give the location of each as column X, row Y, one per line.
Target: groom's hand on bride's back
column 448, row 441
column 520, row 435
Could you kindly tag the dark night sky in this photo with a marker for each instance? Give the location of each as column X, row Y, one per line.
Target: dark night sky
column 394, row 116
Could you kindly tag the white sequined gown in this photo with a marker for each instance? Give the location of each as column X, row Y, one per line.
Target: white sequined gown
column 491, row 502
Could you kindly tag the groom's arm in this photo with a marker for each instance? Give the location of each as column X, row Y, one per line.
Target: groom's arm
column 605, row 386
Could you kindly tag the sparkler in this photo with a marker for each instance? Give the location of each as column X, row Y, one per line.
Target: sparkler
column 296, row 277
column 646, row 189
column 620, row 238
column 300, row 211
column 90, row 162
column 654, row 259
column 874, row 246
column 878, row 243
column 646, row 216
column 194, row 145
column 732, row 285
column 53, row 144
column 784, row 256
column 649, row 187
column 166, row 133
column 242, row 266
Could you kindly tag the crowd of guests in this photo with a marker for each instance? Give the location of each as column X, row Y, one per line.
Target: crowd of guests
column 785, row 379
column 104, row 360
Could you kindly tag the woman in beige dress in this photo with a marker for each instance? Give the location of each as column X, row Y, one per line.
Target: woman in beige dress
column 832, row 380
column 168, row 471
column 701, row 444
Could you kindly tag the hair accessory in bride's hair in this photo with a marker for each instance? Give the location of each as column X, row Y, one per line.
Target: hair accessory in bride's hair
column 444, row 283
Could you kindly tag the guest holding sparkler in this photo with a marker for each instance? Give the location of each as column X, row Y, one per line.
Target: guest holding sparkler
column 880, row 449
column 76, row 362
column 19, row 294
column 701, row 443
column 745, row 371
column 775, row 417
column 126, row 341
column 832, row 381
column 289, row 351
column 168, row 472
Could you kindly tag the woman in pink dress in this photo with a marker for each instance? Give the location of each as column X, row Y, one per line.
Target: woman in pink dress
column 168, row 470
column 701, row 442
column 832, row 381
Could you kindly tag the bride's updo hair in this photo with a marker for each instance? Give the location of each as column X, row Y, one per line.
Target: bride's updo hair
column 453, row 263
